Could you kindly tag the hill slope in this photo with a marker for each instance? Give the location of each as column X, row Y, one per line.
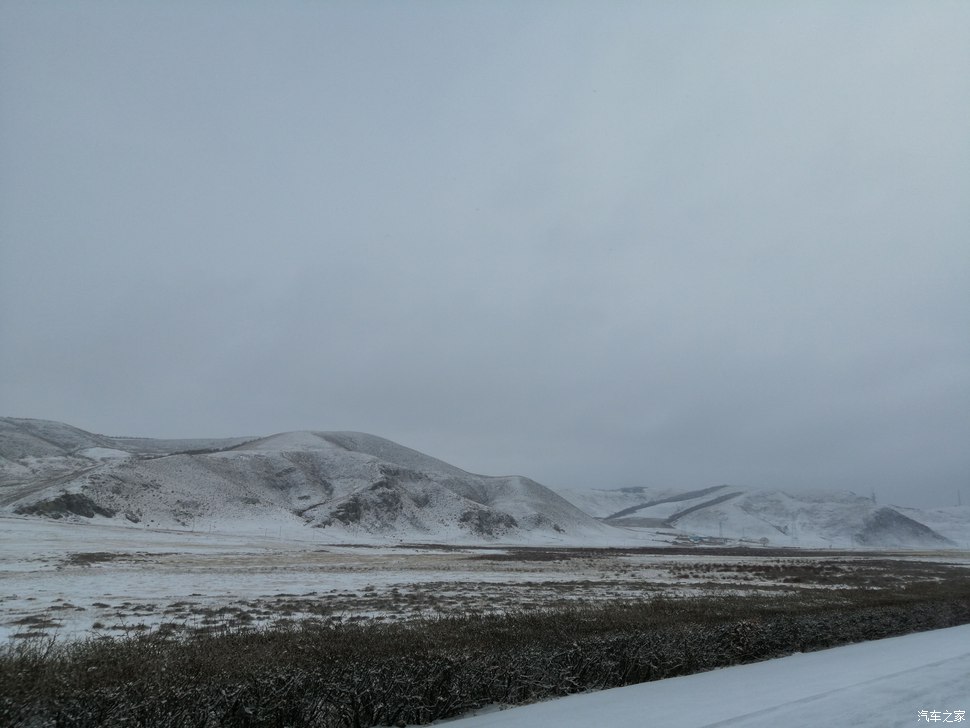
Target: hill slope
column 355, row 486
column 820, row 519
column 351, row 485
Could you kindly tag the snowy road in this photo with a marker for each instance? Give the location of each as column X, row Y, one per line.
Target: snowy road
column 879, row 684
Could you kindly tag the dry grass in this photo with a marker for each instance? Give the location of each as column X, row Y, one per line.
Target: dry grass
column 346, row 672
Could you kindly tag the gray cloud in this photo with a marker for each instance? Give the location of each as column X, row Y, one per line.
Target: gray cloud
column 597, row 245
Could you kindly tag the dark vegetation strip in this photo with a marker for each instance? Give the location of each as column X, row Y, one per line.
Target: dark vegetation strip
column 396, row 674
column 689, row 495
column 670, row 520
column 564, row 553
column 574, row 552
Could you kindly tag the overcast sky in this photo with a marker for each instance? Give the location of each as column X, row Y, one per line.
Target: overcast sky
column 599, row 244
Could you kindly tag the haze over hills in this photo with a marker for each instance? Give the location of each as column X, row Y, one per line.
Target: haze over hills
column 351, row 485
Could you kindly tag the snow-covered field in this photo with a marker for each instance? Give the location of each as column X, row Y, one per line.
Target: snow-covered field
column 900, row 681
column 98, row 578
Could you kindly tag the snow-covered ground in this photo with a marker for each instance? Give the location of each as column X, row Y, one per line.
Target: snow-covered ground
column 98, row 577
column 900, row 681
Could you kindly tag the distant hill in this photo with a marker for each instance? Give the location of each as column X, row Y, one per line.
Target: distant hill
column 348, row 484
column 355, row 486
column 820, row 519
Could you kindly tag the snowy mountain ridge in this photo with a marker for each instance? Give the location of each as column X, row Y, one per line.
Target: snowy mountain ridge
column 350, row 485
column 354, row 486
column 819, row 519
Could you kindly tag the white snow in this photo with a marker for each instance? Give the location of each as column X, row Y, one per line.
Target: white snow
column 952, row 522
column 284, row 441
column 821, row 519
column 869, row 685
column 104, row 453
column 255, row 560
column 243, row 560
column 353, row 486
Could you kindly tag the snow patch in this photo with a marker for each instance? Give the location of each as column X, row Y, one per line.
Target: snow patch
column 104, row 453
column 869, row 685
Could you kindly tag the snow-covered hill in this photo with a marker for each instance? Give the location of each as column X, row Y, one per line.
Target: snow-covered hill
column 355, row 486
column 737, row 514
column 352, row 485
